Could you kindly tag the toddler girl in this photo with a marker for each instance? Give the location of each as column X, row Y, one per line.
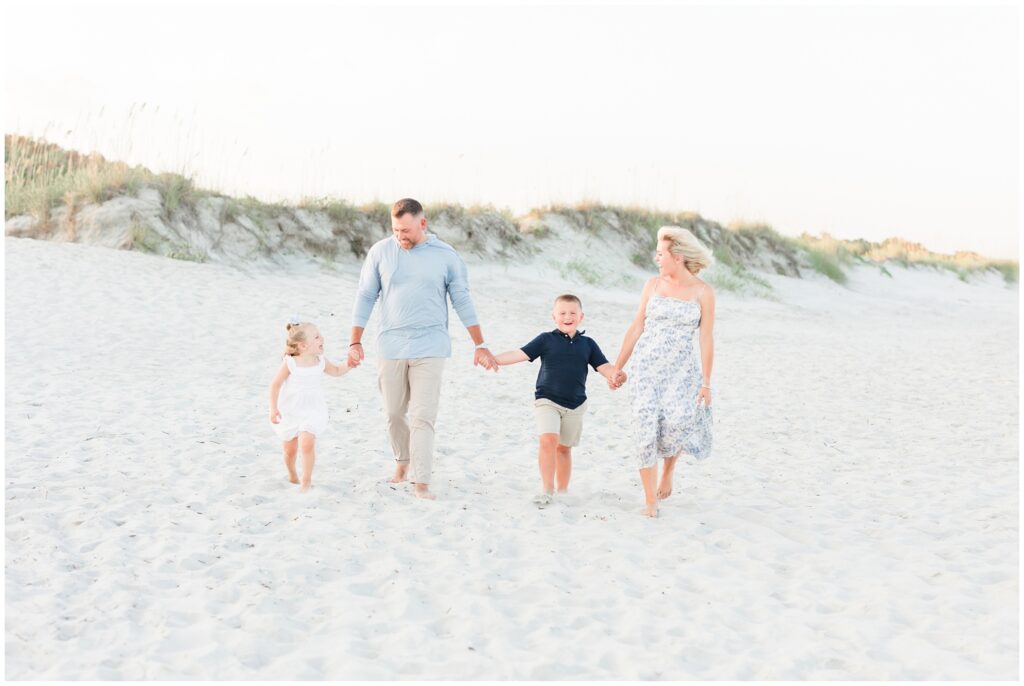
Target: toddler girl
column 298, row 408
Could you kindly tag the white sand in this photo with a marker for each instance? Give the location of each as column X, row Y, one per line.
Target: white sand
column 858, row 519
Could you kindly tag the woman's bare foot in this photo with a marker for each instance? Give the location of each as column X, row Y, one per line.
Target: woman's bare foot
column 423, row 491
column 305, row 487
column 665, row 489
column 400, row 471
column 651, row 510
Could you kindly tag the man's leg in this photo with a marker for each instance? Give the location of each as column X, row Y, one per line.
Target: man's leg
column 393, row 381
column 424, row 393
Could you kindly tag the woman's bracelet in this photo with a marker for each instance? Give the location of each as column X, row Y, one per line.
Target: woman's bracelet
column 704, row 385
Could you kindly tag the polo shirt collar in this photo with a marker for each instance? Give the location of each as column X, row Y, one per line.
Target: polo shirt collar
column 558, row 332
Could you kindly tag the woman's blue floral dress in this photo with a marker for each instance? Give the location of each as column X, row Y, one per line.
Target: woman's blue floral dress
column 666, row 379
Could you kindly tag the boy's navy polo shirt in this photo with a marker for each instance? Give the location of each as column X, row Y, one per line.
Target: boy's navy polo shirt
column 563, row 366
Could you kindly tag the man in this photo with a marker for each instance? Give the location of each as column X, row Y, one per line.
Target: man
column 411, row 273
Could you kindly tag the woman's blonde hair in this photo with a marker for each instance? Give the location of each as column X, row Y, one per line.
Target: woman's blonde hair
column 684, row 244
column 296, row 335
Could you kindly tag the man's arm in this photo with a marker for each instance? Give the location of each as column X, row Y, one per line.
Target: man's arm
column 367, row 293
column 457, row 283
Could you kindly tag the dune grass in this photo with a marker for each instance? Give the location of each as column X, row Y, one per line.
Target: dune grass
column 40, row 177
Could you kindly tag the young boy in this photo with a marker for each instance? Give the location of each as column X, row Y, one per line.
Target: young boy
column 561, row 396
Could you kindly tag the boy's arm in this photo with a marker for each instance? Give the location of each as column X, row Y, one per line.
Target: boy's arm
column 336, row 369
column 511, row 357
column 608, row 371
column 275, row 390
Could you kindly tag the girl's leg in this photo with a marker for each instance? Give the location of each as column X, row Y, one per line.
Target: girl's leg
column 291, row 449
column 307, row 443
column 665, row 487
column 648, row 476
column 563, row 468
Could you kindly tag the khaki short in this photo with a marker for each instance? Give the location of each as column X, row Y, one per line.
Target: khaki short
column 552, row 418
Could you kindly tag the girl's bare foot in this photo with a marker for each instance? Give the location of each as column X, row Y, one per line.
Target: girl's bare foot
column 305, row 487
column 400, row 471
column 422, row 491
column 651, row 510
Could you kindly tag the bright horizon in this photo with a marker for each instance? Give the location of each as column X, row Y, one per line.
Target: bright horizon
column 863, row 122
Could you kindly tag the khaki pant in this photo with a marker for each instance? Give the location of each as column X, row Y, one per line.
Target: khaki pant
column 411, row 387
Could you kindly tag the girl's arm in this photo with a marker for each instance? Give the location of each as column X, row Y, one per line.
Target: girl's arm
column 511, row 357
column 336, row 369
column 637, row 327
column 707, row 341
column 275, row 390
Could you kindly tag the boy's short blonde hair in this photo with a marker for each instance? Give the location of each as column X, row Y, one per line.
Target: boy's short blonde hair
column 569, row 297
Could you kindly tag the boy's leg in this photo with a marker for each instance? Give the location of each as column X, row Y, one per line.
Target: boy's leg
column 291, row 450
column 546, row 456
column 424, row 393
column 570, row 430
column 563, row 468
column 393, row 382
column 307, row 444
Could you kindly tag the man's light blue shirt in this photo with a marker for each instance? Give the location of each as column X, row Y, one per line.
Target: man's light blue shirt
column 412, row 286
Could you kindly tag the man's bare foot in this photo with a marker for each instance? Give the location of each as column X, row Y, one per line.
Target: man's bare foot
column 400, row 471
column 423, row 491
column 305, row 487
column 651, row 510
column 293, row 476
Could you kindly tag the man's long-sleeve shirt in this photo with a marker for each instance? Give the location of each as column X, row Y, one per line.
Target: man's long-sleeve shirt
column 413, row 286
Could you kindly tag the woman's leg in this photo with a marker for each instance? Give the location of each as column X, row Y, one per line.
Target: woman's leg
column 649, row 477
column 665, row 487
column 307, row 444
column 291, row 449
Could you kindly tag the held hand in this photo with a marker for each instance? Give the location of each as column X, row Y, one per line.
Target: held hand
column 616, row 379
column 355, row 355
column 704, row 396
column 483, row 358
column 275, row 416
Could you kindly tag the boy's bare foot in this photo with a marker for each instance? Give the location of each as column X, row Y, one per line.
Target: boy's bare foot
column 400, row 471
column 423, row 491
column 651, row 510
column 305, row 487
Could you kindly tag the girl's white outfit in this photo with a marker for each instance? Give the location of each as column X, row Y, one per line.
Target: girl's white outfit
column 302, row 403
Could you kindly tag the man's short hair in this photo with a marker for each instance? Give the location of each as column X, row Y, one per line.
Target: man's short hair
column 406, row 206
column 569, row 297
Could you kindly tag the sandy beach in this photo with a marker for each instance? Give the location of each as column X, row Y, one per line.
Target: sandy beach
column 858, row 518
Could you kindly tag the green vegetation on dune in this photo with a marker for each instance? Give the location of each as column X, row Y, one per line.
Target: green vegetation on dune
column 41, row 178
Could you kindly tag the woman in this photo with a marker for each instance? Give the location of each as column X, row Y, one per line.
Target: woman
column 671, row 384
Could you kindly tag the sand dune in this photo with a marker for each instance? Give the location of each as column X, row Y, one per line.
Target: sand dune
column 858, row 519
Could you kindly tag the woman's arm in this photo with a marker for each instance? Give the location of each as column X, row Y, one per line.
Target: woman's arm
column 511, row 357
column 336, row 369
column 637, row 327
column 707, row 341
column 275, row 390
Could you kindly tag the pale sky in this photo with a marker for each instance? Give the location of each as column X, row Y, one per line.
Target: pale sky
column 865, row 122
